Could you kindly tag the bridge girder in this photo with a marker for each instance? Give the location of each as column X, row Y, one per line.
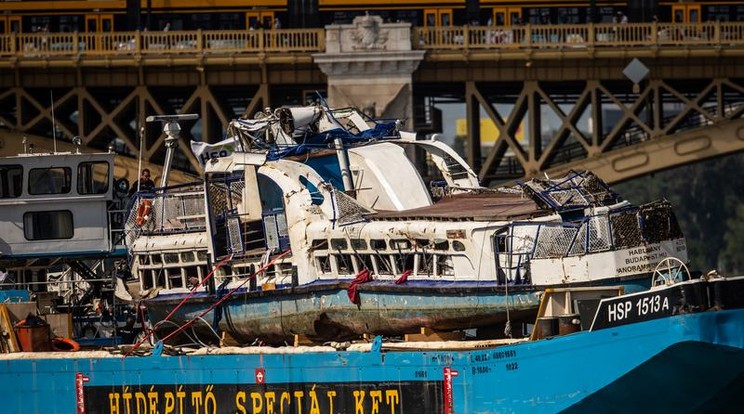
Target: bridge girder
column 722, row 138
column 540, row 104
column 103, row 117
column 550, row 127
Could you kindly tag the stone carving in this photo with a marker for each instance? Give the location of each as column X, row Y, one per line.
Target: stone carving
column 367, row 35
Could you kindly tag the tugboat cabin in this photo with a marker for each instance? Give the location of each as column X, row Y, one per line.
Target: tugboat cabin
column 55, row 205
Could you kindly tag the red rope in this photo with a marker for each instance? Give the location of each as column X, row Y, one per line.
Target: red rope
column 191, row 293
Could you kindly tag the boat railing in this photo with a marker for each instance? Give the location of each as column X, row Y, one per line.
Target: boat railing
column 562, row 240
column 181, row 211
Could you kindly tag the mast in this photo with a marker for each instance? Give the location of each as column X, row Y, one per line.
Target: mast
column 172, row 130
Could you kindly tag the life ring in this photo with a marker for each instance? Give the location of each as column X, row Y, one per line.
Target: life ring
column 143, row 212
column 60, row 344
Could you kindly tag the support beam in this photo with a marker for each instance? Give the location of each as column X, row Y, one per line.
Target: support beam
column 655, row 155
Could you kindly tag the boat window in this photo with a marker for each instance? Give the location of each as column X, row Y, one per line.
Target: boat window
column 339, row 244
column 366, row 262
column 425, row 265
column 175, row 278
column 445, row 267
column 422, row 243
column 146, row 276
column 93, row 177
column 320, row 244
column 48, row 225
column 358, row 244
column 202, row 255
column 441, row 245
column 160, row 278
column 11, row 181
column 458, row 246
column 55, row 180
column 400, row 244
column 187, row 257
column 404, row 262
column 324, row 264
column 170, row 258
column 156, row 259
column 384, row 267
column 378, row 244
column 344, row 264
column 143, row 260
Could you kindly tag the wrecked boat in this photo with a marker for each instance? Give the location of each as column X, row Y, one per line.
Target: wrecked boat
column 608, row 349
column 321, row 227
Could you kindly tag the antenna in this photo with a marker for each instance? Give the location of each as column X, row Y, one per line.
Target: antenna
column 172, row 129
column 54, row 123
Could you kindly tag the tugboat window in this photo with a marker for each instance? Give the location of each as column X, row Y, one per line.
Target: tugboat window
column 93, row 178
column 55, row 180
column 11, row 181
column 48, row 225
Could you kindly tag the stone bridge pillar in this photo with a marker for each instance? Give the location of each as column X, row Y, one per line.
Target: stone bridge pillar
column 369, row 66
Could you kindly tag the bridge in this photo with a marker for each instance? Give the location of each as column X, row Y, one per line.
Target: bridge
column 537, row 99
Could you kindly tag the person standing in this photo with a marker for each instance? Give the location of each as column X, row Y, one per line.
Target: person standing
column 144, row 183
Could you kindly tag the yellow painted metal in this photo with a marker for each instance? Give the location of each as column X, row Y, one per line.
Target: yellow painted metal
column 726, row 137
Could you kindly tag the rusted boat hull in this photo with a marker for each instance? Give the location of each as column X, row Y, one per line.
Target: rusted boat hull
column 325, row 312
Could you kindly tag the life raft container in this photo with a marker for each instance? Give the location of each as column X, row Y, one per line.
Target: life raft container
column 143, row 212
column 65, row 345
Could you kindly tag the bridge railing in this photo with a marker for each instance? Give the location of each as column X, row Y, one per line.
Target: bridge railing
column 565, row 36
column 580, row 36
column 162, row 43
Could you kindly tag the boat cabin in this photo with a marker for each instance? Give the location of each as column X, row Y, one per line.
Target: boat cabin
column 55, row 205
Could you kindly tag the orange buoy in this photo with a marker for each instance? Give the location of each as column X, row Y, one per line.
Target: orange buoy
column 143, row 212
column 60, row 344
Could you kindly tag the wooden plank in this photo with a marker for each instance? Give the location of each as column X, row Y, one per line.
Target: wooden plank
column 428, row 335
column 7, row 334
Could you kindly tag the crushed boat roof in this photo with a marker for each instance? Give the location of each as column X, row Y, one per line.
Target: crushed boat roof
column 478, row 206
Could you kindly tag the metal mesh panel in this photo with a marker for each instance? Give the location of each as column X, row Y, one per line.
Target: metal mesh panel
column 131, row 230
column 599, row 234
column 171, row 212
column 625, row 230
column 179, row 211
column 193, row 205
column 577, row 189
column 567, row 198
column 659, row 222
column 233, row 228
column 236, row 191
column 348, row 210
column 579, row 246
column 554, row 241
column 218, row 198
column 598, row 230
